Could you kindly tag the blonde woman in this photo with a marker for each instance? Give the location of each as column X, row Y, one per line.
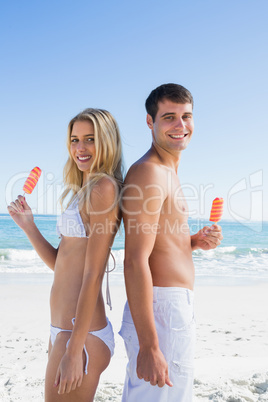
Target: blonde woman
column 82, row 341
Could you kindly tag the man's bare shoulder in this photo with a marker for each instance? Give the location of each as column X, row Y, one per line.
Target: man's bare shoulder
column 146, row 171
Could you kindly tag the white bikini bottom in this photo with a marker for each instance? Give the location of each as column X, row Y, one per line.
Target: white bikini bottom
column 106, row 334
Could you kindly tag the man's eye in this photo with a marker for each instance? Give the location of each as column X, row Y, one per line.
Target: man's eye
column 168, row 117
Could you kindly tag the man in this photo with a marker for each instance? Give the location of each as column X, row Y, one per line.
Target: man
column 158, row 323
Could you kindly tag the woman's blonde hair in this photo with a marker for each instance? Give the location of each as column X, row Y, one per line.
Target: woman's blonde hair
column 108, row 159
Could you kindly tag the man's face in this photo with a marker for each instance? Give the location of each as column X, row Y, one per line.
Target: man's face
column 173, row 126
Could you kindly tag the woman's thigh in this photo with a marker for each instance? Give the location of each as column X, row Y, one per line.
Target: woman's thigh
column 99, row 358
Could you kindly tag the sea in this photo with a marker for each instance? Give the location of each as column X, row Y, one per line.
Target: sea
column 241, row 259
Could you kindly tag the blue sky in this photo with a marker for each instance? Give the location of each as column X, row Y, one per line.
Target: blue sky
column 59, row 57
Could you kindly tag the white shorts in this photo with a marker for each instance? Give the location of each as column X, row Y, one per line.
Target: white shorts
column 175, row 325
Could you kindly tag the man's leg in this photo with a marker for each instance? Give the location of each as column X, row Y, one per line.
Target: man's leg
column 136, row 390
column 175, row 325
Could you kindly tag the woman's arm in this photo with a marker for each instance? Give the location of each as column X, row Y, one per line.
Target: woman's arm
column 104, row 222
column 22, row 215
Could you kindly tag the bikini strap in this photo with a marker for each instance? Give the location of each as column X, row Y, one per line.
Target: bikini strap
column 107, row 270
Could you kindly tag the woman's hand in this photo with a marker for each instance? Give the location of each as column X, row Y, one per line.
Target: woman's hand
column 207, row 238
column 70, row 373
column 21, row 213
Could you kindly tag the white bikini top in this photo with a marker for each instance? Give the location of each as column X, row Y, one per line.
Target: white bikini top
column 70, row 224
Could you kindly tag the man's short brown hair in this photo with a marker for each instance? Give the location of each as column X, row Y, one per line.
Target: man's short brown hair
column 173, row 92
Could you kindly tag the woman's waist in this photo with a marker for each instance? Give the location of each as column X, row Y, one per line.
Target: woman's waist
column 72, row 248
column 63, row 307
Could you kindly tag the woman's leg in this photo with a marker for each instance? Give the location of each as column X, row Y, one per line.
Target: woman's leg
column 99, row 358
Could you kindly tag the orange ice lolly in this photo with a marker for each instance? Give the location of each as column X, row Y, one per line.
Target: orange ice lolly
column 216, row 210
column 32, row 180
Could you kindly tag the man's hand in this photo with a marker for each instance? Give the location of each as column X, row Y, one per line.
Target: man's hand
column 152, row 367
column 69, row 374
column 207, row 238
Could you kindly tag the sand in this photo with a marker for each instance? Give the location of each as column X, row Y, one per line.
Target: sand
column 231, row 351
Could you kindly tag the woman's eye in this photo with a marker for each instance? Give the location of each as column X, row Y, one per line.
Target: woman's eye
column 89, row 139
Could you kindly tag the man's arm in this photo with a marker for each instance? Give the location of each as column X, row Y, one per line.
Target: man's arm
column 143, row 197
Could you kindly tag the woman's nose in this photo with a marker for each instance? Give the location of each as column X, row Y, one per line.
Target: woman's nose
column 81, row 146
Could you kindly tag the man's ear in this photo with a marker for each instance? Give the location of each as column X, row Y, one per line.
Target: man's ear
column 149, row 121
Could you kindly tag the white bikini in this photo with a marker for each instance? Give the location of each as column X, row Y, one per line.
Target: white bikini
column 106, row 334
column 70, row 224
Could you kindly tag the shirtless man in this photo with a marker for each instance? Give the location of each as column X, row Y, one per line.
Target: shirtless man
column 158, row 322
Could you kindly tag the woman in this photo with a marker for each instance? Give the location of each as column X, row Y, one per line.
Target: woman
column 81, row 340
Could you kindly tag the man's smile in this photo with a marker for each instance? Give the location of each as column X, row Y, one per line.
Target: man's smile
column 177, row 136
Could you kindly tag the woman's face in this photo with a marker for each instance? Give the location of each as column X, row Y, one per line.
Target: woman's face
column 82, row 146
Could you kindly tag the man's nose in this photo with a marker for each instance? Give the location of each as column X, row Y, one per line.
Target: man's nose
column 180, row 124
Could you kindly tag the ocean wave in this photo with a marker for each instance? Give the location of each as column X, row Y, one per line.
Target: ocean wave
column 231, row 261
column 28, row 261
column 231, row 250
column 11, row 254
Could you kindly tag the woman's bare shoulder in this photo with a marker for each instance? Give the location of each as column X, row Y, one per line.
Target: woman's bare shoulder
column 104, row 193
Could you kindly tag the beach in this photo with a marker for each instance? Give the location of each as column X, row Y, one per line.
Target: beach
column 231, row 348
column 230, row 309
